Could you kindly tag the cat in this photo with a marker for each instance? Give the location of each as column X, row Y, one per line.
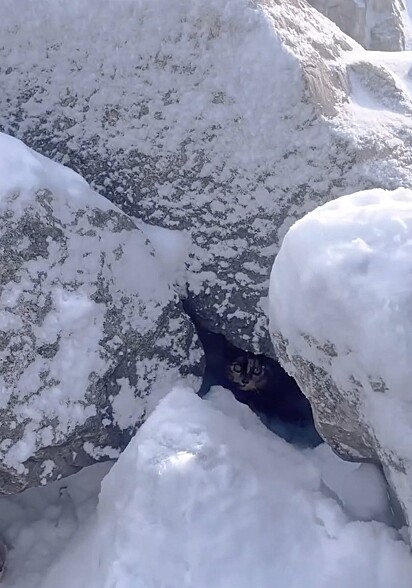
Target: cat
column 255, row 380
column 264, row 385
column 248, row 372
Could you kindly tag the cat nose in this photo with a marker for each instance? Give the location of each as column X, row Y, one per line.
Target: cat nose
column 244, row 381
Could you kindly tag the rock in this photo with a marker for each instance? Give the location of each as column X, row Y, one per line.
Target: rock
column 375, row 24
column 225, row 119
column 341, row 319
column 92, row 333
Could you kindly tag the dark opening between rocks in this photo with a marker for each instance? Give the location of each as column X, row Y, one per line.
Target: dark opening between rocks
column 258, row 381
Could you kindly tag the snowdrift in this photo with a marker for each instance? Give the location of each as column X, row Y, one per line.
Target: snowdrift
column 200, row 498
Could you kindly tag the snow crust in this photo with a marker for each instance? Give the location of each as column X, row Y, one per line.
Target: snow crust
column 205, row 495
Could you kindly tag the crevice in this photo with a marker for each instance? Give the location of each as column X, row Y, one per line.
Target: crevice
column 257, row 381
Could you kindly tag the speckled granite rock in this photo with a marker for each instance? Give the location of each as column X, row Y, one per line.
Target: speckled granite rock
column 92, row 334
column 228, row 118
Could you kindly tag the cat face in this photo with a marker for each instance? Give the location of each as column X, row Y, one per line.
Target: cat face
column 247, row 372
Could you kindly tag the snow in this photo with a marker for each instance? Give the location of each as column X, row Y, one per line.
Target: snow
column 399, row 63
column 92, row 33
column 204, row 123
column 23, row 171
column 38, row 523
column 205, row 495
column 360, row 488
column 173, row 249
column 354, row 254
column 88, row 285
column 380, row 94
column 127, row 409
column 342, row 279
column 178, row 126
column 407, row 23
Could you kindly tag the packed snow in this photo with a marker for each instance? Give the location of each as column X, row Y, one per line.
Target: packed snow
column 353, row 254
column 204, row 496
column 342, row 281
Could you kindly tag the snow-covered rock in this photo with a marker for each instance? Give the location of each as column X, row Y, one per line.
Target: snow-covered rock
column 90, row 325
column 341, row 322
column 226, row 118
column 200, row 498
column 375, row 24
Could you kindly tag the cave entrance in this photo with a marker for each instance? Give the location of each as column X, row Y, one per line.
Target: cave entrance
column 259, row 382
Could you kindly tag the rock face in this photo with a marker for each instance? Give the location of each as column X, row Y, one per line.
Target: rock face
column 227, row 118
column 375, row 24
column 91, row 331
column 341, row 320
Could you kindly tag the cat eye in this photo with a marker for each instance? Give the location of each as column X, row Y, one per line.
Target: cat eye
column 257, row 371
column 237, row 368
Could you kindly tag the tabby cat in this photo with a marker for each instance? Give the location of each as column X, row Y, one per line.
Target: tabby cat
column 255, row 380
column 264, row 385
column 248, row 372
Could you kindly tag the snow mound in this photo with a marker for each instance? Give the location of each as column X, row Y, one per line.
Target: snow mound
column 341, row 319
column 343, row 276
column 202, row 499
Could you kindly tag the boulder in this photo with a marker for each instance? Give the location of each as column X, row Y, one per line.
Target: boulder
column 341, row 323
column 92, row 333
column 227, row 119
column 375, row 24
